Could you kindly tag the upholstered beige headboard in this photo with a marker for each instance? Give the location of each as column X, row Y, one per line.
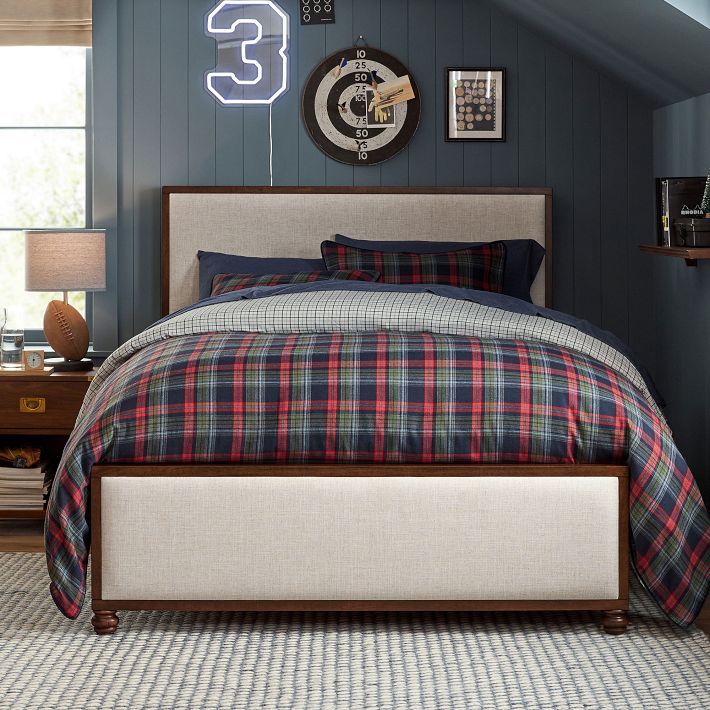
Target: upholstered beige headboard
column 294, row 221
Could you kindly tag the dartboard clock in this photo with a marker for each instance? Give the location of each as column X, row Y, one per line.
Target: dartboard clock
column 338, row 112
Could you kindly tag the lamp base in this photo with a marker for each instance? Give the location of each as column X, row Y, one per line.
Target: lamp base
column 66, row 332
column 61, row 365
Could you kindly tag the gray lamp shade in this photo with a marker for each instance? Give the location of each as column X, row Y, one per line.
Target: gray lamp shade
column 65, row 260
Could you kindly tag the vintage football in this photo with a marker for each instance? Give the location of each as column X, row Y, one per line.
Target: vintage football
column 66, row 330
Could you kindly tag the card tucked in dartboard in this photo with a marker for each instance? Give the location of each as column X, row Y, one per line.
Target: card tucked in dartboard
column 361, row 106
column 378, row 117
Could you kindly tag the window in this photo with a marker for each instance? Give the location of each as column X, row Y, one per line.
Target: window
column 44, row 158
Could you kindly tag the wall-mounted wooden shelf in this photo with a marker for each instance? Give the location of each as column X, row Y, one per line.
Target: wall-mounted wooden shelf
column 690, row 254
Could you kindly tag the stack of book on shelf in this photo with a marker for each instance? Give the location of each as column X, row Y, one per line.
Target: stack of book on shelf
column 22, row 479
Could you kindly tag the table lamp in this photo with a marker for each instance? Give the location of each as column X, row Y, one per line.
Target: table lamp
column 66, row 260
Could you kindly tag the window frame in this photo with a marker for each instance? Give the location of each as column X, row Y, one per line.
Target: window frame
column 34, row 336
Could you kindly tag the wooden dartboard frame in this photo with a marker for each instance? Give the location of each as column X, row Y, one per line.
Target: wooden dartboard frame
column 310, row 120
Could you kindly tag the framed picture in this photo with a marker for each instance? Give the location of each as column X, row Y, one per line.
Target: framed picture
column 475, row 104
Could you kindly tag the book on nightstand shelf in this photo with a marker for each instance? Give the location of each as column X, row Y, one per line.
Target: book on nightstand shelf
column 24, row 479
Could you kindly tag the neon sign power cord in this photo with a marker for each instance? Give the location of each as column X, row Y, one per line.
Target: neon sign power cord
column 271, row 152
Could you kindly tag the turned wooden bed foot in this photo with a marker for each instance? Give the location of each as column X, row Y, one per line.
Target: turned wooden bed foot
column 104, row 622
column 615, row 621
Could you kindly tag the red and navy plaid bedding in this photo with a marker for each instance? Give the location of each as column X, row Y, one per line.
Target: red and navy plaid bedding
column 480, row 267
column 383, row 397
column 225, row 283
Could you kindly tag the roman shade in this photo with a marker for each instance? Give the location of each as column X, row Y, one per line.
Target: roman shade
column 45, row 22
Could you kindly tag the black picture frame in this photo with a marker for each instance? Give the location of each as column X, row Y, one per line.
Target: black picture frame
column 452, row 130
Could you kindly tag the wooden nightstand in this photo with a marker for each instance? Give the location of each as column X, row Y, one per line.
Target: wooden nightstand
column 40, row 410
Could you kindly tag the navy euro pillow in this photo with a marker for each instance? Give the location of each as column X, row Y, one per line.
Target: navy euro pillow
column 213, row 263
column 522, row 262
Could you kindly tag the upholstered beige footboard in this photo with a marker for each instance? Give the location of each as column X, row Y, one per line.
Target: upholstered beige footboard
column 526, row 536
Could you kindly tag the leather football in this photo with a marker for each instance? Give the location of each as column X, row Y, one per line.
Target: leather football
column 66, row 330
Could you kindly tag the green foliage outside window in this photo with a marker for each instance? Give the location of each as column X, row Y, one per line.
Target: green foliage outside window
column 42, row 163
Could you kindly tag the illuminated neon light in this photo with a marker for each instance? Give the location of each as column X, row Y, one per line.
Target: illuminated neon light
column 211, row 76
column 245, row 60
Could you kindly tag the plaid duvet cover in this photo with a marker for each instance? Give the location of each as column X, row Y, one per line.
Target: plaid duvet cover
column 381, row 378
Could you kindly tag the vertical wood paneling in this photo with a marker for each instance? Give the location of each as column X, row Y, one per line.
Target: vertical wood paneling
column 230, row 156
column 256, row 145
column 286, row 111
column 146, row 160
column 106, row 170
column 394, row 33
column 587, row 186
column 562, row 131
column 201, row 106
column 422, row 63
column 256, row 142
column 339, row 36
column 559, row 173
column 449, row 52
column 504, row 53
column 173, row 106
column 366, row 22
column 641, row 226
column 681, row 338
column 531, row 109
column 677, row 329
column 476, row 24
column 662, row 143
column 125, row 166
column 311, row 50
column 614, row 214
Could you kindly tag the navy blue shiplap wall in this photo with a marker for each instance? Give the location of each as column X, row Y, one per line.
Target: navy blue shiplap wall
column 568, row 126
column 682, row 333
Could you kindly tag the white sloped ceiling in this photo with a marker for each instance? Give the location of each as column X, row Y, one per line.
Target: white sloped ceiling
column 655, row 46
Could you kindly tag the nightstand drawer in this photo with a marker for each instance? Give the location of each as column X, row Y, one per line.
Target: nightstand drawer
column 40, row 405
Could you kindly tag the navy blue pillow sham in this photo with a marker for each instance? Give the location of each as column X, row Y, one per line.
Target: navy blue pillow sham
column 213, row 263
column 522, row 262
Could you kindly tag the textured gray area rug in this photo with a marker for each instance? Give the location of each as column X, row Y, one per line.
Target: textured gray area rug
column 334, row 660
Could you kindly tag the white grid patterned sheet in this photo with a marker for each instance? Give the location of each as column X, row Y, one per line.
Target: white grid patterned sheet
column 356, row 311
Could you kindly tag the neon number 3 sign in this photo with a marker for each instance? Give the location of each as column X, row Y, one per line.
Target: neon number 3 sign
column 252, row 45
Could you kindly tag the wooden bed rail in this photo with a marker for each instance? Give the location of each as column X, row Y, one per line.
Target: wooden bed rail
column 614, row 611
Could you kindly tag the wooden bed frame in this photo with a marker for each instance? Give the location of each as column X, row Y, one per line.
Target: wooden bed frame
column 105, row 620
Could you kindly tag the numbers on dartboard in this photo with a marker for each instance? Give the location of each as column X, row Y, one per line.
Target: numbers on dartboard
column 344, row 80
